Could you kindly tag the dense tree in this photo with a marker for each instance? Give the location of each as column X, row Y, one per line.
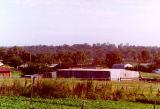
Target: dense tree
column 2, row 53
column 66, row 59
column 36, row 68
column 79, row 57
column 15, row 61
column 81, row 54
column 99, row 57
column 157, row 59
column 43, row 58
column 145, row 56
column 113, row 57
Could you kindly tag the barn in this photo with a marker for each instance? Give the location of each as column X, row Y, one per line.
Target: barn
column 105, row 74
column 5, row 72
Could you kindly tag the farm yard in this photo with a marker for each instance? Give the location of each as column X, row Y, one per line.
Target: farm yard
column 75, row 93
column 51, row 90
column 79, row 54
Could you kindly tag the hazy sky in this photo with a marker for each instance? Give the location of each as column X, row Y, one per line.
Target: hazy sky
column 54, row 22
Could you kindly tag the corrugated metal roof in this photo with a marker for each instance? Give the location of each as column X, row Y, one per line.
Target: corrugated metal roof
column 80, row 69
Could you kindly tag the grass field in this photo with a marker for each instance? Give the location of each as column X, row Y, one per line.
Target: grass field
column 7, row 102
column 104, row 94
column 16, row 74
column 71, row 88
column 150, row 75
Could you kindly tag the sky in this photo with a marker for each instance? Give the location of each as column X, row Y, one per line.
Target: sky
column 58, row 22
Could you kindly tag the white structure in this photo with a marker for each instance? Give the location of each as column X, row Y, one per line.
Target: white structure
column 128, row 65
column 1, row 64
column 53, row 65
column 23, row 66
column 108, row 74
column 122, row 74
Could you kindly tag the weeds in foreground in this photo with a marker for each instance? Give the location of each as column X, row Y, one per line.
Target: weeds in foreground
column 70, row 88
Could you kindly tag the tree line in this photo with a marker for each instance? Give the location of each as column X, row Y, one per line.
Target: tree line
column 104, row 54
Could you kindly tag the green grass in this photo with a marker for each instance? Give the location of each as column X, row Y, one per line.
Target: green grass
column 16, row 73
column 150, row 75
column 7, row 102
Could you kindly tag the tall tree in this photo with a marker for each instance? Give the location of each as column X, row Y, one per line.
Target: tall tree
column 145, row 56
column 113, row 57
column 99, row 57
column 15, row 61
column 80, row 57
column 2, row 53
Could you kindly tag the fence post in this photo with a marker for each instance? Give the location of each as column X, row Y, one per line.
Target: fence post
column 61, row 107
column 154, row 105
column 82, row 105
column 31, row 105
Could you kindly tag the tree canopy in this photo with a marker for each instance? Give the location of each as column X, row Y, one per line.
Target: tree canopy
column 105, row 54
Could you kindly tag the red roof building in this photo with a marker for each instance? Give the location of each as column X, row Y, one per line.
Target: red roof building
column 5, row 72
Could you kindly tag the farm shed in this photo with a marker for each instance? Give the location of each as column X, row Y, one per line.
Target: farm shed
column 107, row 74
column 5, row 72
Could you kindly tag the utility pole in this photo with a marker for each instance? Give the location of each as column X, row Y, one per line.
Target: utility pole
column 60, row 63
column 30, row 57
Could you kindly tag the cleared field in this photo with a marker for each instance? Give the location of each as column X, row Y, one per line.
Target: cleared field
column 7, row 102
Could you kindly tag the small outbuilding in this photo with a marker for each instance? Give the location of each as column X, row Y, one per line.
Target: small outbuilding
column 5, row 72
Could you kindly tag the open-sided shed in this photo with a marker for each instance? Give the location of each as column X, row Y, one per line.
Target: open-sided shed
column 107, row 74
